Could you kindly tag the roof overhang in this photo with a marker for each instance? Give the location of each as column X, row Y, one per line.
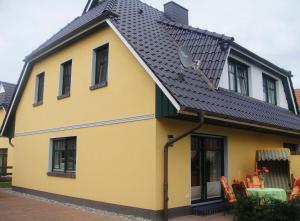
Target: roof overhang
column 229, row 121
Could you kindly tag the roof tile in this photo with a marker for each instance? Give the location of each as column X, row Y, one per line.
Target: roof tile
column 157, row 39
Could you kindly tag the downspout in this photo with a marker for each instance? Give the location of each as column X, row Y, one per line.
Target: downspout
column 166, row 160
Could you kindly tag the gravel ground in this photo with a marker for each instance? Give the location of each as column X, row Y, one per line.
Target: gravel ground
column 73, row 206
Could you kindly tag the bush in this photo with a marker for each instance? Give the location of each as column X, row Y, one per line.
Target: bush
column 254, row 208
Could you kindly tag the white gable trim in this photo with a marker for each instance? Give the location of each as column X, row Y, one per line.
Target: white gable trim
column 148, row 70
column 88, row 6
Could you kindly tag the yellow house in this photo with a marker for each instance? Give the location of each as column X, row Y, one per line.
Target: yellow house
column 6, row 150
column 106, row 115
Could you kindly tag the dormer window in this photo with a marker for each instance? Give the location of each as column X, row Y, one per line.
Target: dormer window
column 238, row 77
column 269, row 87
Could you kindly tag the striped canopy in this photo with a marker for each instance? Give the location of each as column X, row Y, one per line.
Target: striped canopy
column 273, row 155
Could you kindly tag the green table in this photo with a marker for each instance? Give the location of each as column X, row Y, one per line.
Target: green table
column 275, row 193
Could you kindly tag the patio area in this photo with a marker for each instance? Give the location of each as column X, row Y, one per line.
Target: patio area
column 15, row 207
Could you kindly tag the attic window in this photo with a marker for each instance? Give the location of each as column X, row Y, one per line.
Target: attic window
column 269, row 88
column 65, row 79
column 238, row 77
column 39, row 89
column 100, row 67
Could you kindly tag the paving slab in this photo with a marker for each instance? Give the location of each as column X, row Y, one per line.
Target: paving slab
column 24, row 207
column 17, row 208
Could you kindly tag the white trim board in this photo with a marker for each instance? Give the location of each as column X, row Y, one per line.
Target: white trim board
column 90, row 124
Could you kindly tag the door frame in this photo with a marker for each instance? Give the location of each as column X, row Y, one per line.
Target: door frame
column 224, row 167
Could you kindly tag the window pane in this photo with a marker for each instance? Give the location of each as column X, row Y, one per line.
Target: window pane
column 231, row 73
column 238, row 77
column 101, row 64
column 66, row 84
column 58, row 155
column 269, row 86
column 271, row 95
column 3, row 160
column 59, row 160
column 64, row 154
column 265, row 90
column 40, row 87
column 242, row 80
column 71, row 154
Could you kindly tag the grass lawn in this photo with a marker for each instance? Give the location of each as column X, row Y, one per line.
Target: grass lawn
column 5, row 184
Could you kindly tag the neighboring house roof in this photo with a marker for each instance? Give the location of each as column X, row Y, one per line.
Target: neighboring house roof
column 297, row 93
column 6, row 93
column 156, row 39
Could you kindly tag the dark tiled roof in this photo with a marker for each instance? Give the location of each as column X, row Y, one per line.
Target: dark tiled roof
column 156, row 39
column 203, row 45
column 6, row 96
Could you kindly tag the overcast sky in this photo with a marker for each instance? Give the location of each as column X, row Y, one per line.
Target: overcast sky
column 270, row 28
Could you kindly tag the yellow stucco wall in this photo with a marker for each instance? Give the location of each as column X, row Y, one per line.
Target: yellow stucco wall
column 4, row 143
column 115, row 163
column 241, row 144
column 119, row 163
column 130, row 90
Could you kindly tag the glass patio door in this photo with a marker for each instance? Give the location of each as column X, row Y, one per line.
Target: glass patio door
column 207, row 165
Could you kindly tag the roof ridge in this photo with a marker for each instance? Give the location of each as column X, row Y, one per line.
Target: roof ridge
column 110, row 4
column 198, row 30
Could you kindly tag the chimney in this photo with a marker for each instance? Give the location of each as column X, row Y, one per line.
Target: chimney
column 176, row 13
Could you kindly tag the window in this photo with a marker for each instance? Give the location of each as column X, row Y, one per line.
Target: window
column 64, row 155
column 3, row 161
column 294, row 148
column 65, row 79
column 269, row 88
column 238, row 77
column 100, row 66
column 39, row 89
